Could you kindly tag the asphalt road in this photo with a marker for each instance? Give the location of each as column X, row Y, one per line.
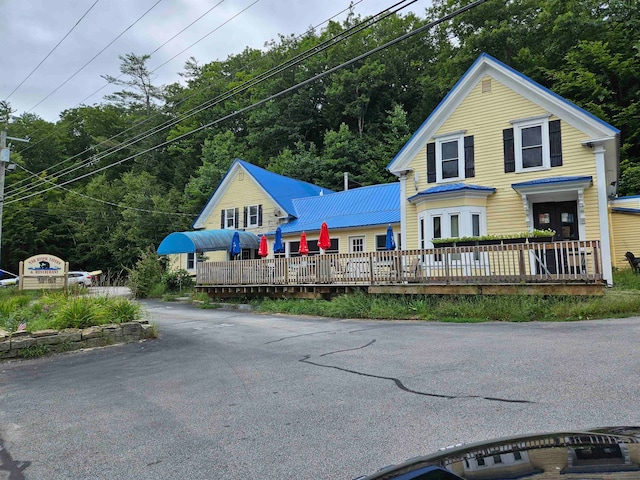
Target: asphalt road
column 233, row 395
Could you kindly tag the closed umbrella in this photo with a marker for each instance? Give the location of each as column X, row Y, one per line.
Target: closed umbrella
column 390, row 243
column 304, row 247
column 324, row 242
column 263, row 250
column 278, row 246
column 235, row 248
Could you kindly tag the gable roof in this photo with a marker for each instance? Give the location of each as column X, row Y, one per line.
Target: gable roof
column 485, row 64
column 372, row 205
column 281, row 189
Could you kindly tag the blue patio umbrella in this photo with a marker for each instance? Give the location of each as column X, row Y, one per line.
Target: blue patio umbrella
column 390, row 243
column 235, row 248
column 278, row 246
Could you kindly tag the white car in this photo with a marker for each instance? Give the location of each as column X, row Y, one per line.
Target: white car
column 82, row 278
column 11, row 278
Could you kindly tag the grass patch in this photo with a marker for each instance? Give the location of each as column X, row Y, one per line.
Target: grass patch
column 464, row 308
column 57, row 310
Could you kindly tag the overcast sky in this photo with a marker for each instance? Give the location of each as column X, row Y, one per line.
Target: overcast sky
column 30, row 29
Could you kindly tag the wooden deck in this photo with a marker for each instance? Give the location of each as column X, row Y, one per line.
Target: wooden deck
column 558, row 268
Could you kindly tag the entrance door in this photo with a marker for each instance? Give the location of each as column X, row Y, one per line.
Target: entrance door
column 561, row 217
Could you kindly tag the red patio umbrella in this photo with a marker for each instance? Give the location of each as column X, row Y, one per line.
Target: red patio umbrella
column 304, row 247
column 263, row 250
column 324, row 242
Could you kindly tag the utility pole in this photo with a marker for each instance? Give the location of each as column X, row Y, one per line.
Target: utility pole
column 5, row 158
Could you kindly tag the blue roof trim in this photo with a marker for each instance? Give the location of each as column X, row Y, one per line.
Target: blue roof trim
column 550, row 180
column 365, row 206
column 452, row 187
column 628, row 197
column 532, row 82
column 551, row 92
column 626, row 210
column 204, row 241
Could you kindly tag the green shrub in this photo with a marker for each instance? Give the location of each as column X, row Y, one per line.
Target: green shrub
column 146, row 274
column 178, row 281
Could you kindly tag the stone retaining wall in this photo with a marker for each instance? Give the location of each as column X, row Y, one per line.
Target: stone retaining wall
column 44, row 342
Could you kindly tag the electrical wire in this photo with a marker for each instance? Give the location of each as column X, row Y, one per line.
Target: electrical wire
column 94, row 57
column 52, row 50
column 236, row 90
column 274, row 96
column 105, row 202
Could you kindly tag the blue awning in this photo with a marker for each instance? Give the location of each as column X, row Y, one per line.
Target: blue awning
column 205, row 241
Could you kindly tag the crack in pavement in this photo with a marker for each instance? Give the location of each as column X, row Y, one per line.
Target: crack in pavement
column 399, row 383
column 14, row 467
column 302, row 335
column 350, row 349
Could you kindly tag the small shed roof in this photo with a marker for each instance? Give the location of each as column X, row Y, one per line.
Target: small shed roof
column 205, row 241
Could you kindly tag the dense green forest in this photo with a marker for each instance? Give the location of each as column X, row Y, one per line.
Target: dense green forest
column 108, row 180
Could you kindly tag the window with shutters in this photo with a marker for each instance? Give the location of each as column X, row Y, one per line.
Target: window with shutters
column 531, row 144
column 230, row 218
column 450, row 164
column 253, row 216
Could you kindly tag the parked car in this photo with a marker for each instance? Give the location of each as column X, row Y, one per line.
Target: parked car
column 8, row 278
column 82, row 278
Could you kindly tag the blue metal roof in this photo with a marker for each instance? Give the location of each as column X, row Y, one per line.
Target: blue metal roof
column 452, row 187
column 282, row 189
column 635, row 211
column 372, row 205
column 204, row 241
column 549, row 180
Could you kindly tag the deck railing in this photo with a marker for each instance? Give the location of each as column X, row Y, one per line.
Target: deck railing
column 572, row 261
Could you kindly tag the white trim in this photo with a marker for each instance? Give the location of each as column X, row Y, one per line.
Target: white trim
column 403, row 207
column 221, row 191
column 486, row 65
column 517, row 144
column 459, row 138
column 351, row 238
column 456, row 194
column 457, row 133
column 256, row 224
column 603, row 213
column 534, row 118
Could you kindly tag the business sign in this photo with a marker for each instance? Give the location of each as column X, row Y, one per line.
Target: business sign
column 43, row 271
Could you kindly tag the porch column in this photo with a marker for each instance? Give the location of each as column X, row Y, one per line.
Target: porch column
column 603, row 212
column 403, row 210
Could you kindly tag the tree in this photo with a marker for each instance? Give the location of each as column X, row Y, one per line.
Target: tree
column 139, row 89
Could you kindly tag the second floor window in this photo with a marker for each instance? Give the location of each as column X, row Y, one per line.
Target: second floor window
column 253, row 216
column 229, row 218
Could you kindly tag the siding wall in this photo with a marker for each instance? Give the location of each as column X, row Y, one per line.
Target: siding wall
column 485, row 115
column 243, row 191
column 343, row 235
column 625, row 229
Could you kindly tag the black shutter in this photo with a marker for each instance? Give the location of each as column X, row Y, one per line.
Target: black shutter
column 509, row 151
column 222, row 225
column 259, row 215
column 469, row 167
column 431, row 162
column 555, row 143
column 235, row 220
column 245, row 218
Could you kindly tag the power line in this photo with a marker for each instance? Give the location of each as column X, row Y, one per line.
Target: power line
column 330, row 71
column 105, row 202
column 52, row 50
column 95, row 56
column 236, row 90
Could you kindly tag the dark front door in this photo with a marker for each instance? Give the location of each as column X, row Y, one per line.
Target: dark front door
column 561, row 217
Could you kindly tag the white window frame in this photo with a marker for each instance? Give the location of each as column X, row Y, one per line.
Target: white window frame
column 250, row 220
column 518, row 126
column 230, row 215
column 357, row 237
column 458, row 137
column 191, row 258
